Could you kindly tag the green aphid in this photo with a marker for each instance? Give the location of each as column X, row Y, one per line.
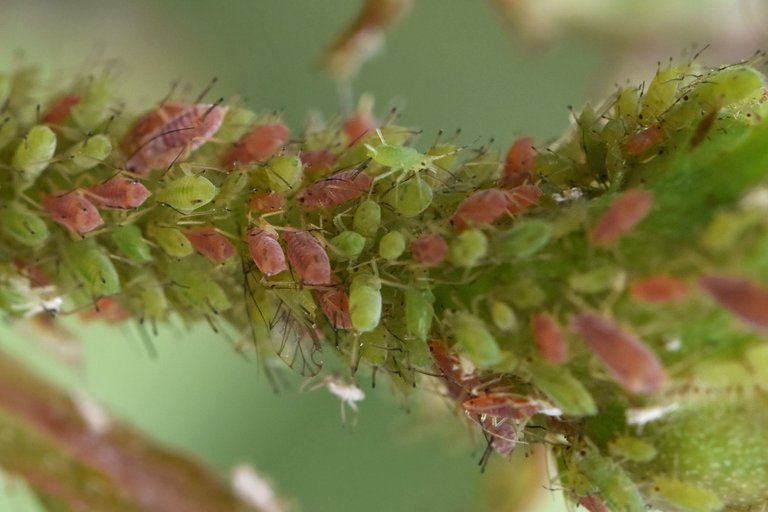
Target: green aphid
column 662, row 92
column 592, row 143
column 503, row 316
column 171, row 240
column 92, row 269
column 392, row 245
column 9, row 129
column 597, row 280
column 632, row 449
column 153, row 302
column 472, row 334
column 23, row 226
column 89, row 153
column 446, row 155
column 563, row 389
column 130, row 243
column 367, row 219
column 365, row 302
column 685, row 496
column 376, row 345
column 727, row 86
column 284, row 173
column 197, row 288
column 34, row 153
column 95, row 103
column 348, row 244
column 410, row 197
column 468, row 248
column 524, row 292
column 486, row 167
column 231, row 188
column 617, row 490
column 627, row 103
column 187, row 194
column 524, row 240
column 419, row 312
column 237, row 122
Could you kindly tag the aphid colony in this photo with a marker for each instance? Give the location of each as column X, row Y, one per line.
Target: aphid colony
column 540, row 289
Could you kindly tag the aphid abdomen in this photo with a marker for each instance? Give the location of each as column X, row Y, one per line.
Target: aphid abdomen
column 625, row 213
column 259, row 144
column 335, row 305
column 335, row 189
column 308, row 258
column 122, row 193
column 659, row 288
column 265, row 251
column 430, row 250
column 482, row 207
column 740, row 297
column 210, row 243
column 73, row 211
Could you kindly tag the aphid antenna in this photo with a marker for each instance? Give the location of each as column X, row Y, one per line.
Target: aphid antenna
column 146, row 341
column 213, row 106
column 206, row 89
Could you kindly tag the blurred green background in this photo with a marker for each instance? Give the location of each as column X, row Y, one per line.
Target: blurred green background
column 451, row 64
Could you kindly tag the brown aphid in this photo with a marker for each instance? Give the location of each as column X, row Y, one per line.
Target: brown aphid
column 659, row 288
column 122, row 193
column 643, row 140
column 210, row 243
column 629, row 361
column 317, row 160
column 335, row 305
column 170, row 133
column 266, row 251
column 107, row 310
column 266, row 202
column 519, row 164
column 308, row 258
column 625, row 213
column 259, row 144
column 522, row 197
column 740, row 297
column 73, row 211
column 549, row 338
column 482, row 207
column 429, row 250
column 335, row 189
column 503, row 405
column 59, row 111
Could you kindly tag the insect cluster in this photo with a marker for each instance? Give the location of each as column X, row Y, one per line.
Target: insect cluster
column 556, row 293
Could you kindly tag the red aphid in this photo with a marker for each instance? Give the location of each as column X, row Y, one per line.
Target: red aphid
column 549, row 338
column 210, row 243
column 317, row 160
column 259, row 144
column 740, row 297
column 359, row 125
column 59, row 111
column 335, row 304
column 429, row 250
column 170, row 133
column 462, row 379
column 266, row 251
column 593, row 504
column 123, row 193
column 503, row 405
column 522, row 197
column 643, row 140
column 631, row 363
column 335, row 189
column 518, row 167
column 73, row 211
column 308, row 258
column 266, row 202
column 37, row 277
column 502, row 431
column 659, row 288
column 625, row 213
column 482, row 207
column 108, row 310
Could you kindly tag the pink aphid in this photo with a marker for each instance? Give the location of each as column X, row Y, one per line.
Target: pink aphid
column 518, row 167
column 123, row 193
column 643, row 140
column 659, row 288
column 335, row 189
column 482, row 207
column 593, row 504
column 503, row 405
column 259, row 144
column 625, row 213
column 170, row 133
column 266, row 251
column 36, row 275
column 308, row 258
column 460, row 377
column 107, row 310
column 335, row 304
column 740, row 297
column 503, row 434
column 429, row 250
column 549, row 338
column 630, row 362
column 359, row 125
column 59, row 111
column 522, row 197
column 266, row 202
column 210, row 243
column 73, row 211
column 317, row 160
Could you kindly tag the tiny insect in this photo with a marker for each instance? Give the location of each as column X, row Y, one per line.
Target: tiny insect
column 632, row 448
column 625, row 213
column 34, row 153
column 419, row 313
column 643, row 140
column 563, row 389
column 187, row 194
column 257, row 145
column 361, row 123
column 472, row 334
column 392, row 245
column 740, row 297
column 703, row 129
column 631, row 363
column 308, row 258
column 265, row 251
column 659, row 288
column 519, row 164
column 130, row 243
column 335, row 305
column 522, row 197
column 365, row 302
column 430, row 250
column 170, row 239
column 367, row 219
column 593, row 503
column 410, row 197
column 59, row 111
column 93, row 269
column 347, row 245
column 23, row 226
column 503, row 405
column 170, row 133
column 317, row 161
column 468, row 249
column 482, row 207
column 121, row 193
column 503, row 316
column 400, row 160
column 525, row 239
column 266, row 202
column 460, row 375
column 108, row 310
column 210, row 243
column 335, row 189
column 549, row 338
column 89, row 153
column 284, row 173
column 617, row 490
column 73, row 211
column 685, row 496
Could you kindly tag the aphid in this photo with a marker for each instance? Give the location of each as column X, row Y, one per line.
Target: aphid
column 308, row 258
column 32, row 271
column 23, row 226
column 703, row 129
column 419, row 312
column 34, row 153
column 129, row 241
column 257, row 145
column 643, row 140
column 265, row 251
column 170, row 239
column 617, row 490
column 231, row 189
column 59, row 111
column 602, row 278
column 348, row 245
column 549, row 338
column 740, row 297
column 563, row 389
column 402, row 160
column 429, row 250
column 525, row 239
column 335, row 189
column 522, row 197
column 519, row 164
column 367, row 219
column 658, row 288
column 392, row 245
column 187, row 194
column 472, row 334
column 361, row 123
column 365, row 302
column 411, row 197
column 93, row 269
column 266, row 202
column 468, row 249
column 197, row 289
column 482, row 207
column 284, row 173
column 630, row 362
column 460, row 375
column 210, row 243
column 89, row 153
column 335, row 305
column 108, row 310
column 317, row 161
column 632, row 448
column 503, row 434
column 626, row 211
column 121, row 193
column 593, row 503
column 503, row 405
column 685, row 496
column 503, row 316
column 169, row 133
column 73, row 211
column 727, row 86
